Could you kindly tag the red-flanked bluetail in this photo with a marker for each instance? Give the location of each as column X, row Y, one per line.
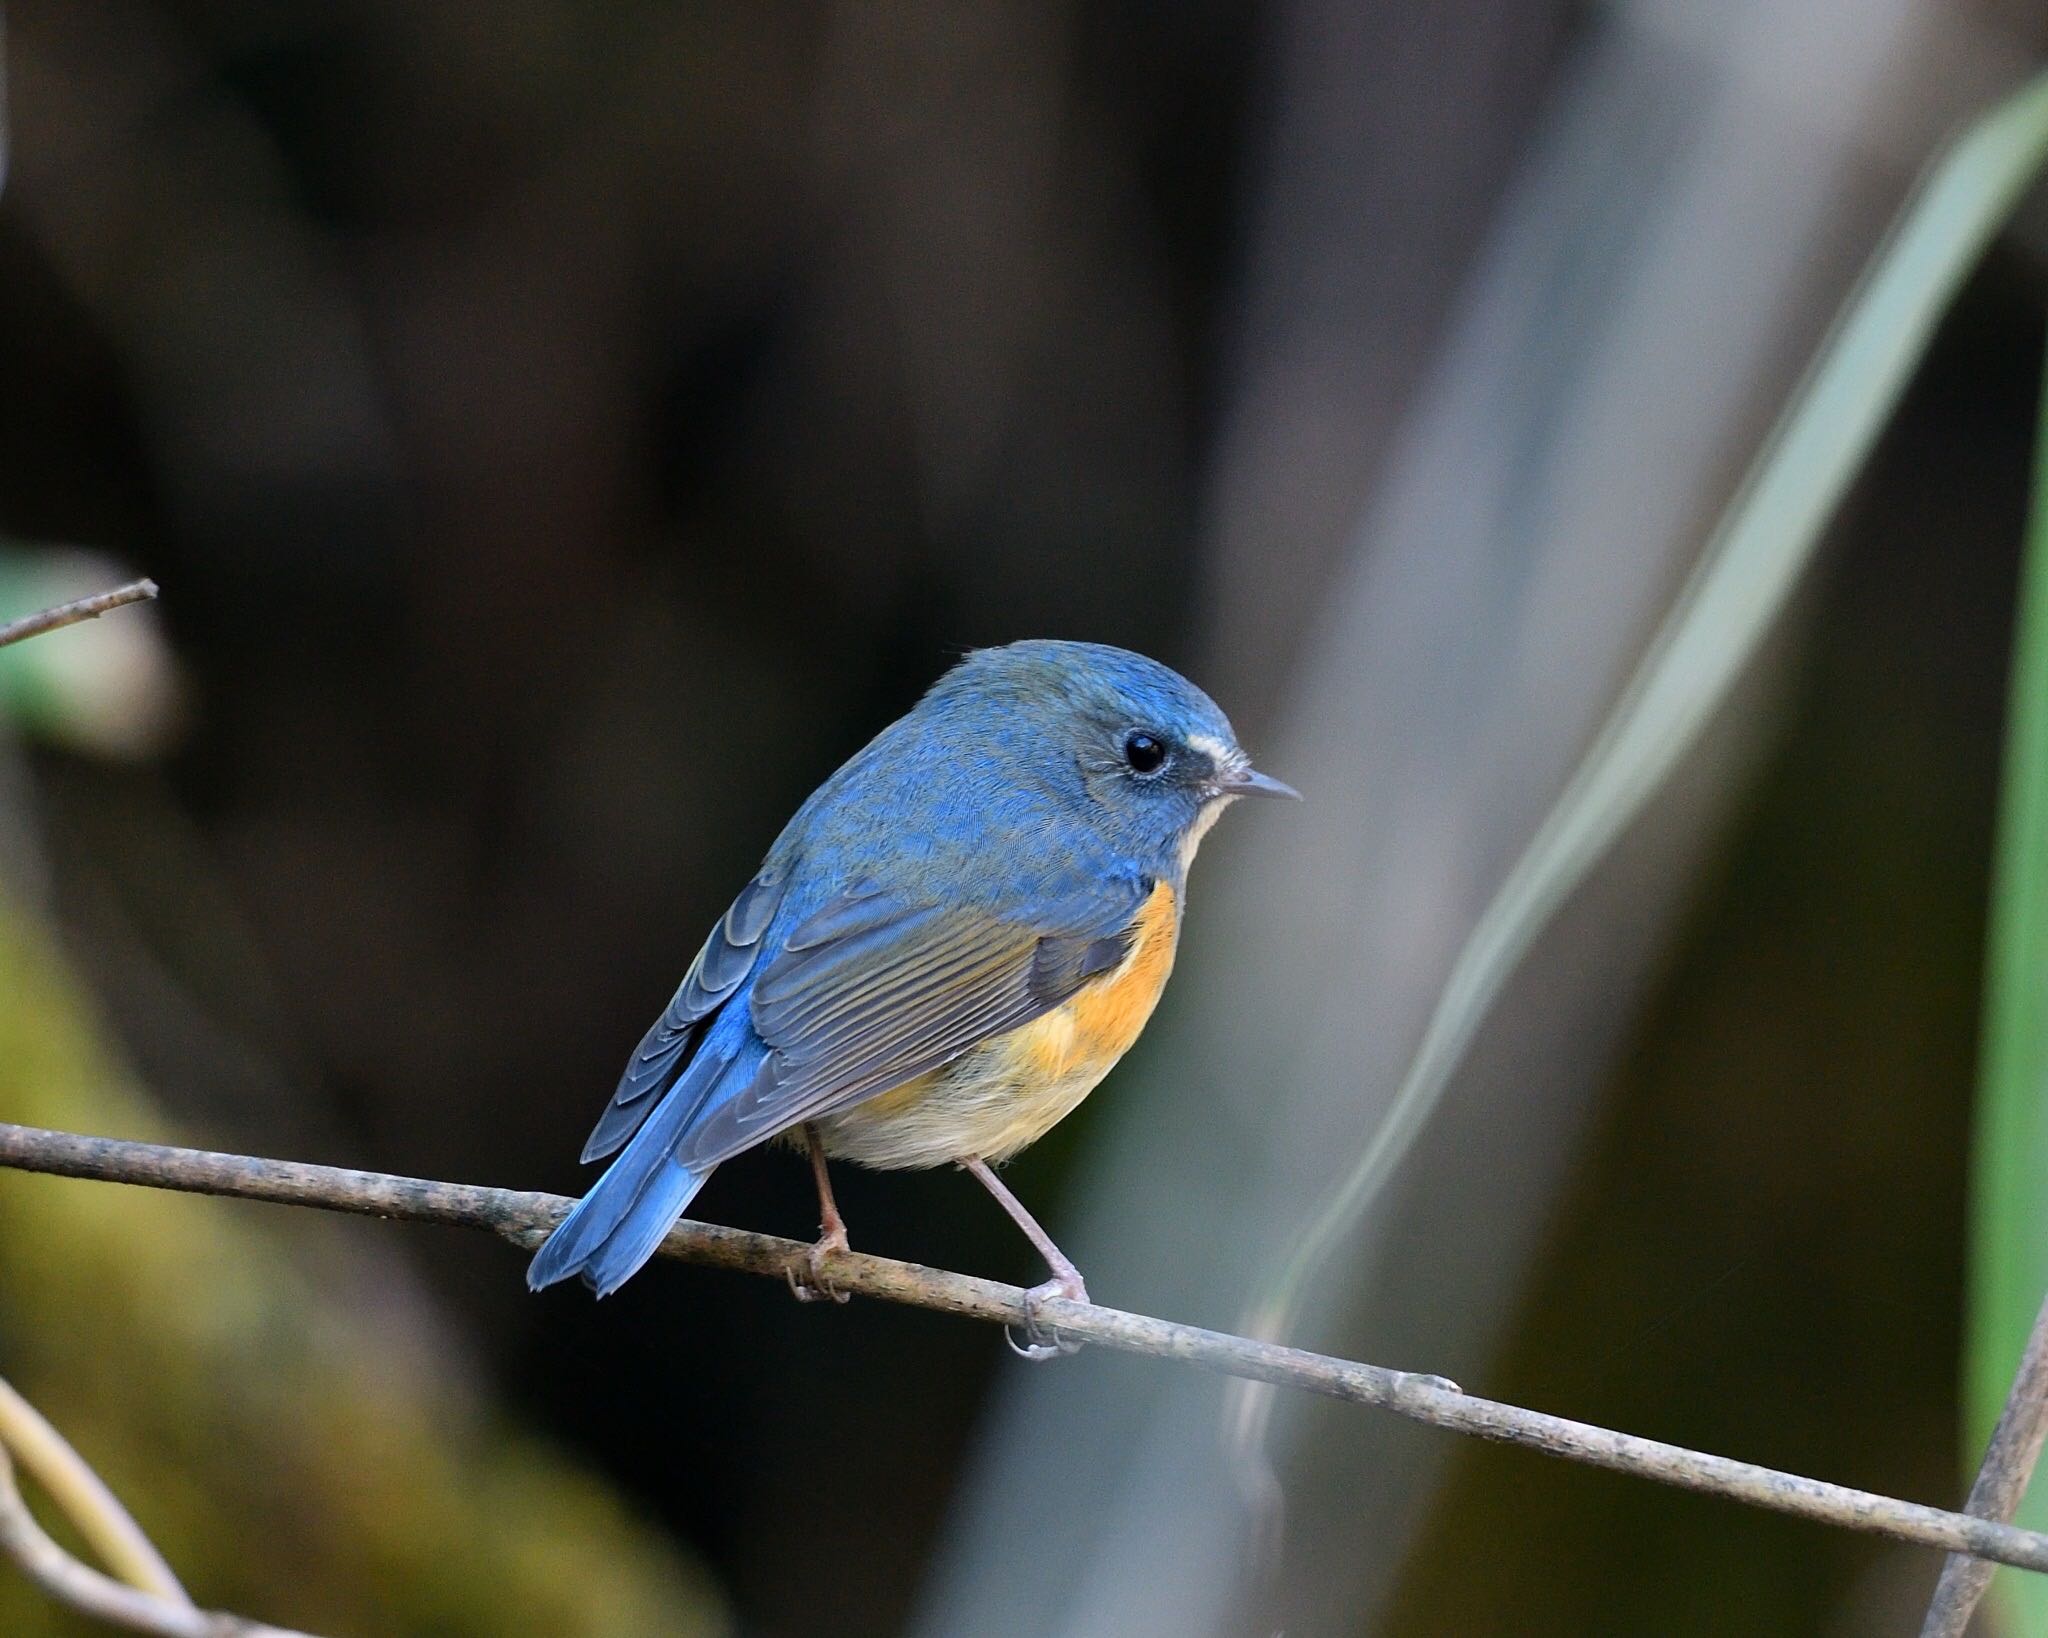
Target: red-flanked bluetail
column 951, row 943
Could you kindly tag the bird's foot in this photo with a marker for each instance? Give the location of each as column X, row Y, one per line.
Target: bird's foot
column 806, row 1274
column 1042, row 1341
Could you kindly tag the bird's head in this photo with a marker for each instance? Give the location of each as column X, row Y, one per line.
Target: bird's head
column 1143, row 751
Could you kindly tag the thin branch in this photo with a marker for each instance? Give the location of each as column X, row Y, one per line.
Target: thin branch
column 69, row 614
column 83, row 1498
column 80, row 1587
column 2009, row 1462
column 525, row 1219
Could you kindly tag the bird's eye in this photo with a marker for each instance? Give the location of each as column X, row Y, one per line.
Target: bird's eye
column 1145, row 753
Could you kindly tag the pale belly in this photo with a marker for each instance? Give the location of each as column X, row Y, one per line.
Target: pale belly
column 1007, row 1093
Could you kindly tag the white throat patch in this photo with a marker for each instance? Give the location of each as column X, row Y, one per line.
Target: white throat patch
column 1227, row 760
column 1211, row 812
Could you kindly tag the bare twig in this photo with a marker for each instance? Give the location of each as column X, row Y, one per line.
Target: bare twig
column 83, row 1497
column 69, row 614
column 525, row 1219
column 2009, row 1462
column 80, row 1587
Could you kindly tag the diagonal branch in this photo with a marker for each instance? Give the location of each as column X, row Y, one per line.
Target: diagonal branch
column 69, row 614
column 83, row 1497
column 525, row 1219
column 2008, row 1464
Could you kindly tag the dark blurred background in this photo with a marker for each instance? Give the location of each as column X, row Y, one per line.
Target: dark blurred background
column 564, row 432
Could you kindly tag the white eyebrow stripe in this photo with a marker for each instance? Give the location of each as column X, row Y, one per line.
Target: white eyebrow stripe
column 1214, row 749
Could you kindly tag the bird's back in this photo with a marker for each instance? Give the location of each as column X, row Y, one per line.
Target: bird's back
column 940, row 816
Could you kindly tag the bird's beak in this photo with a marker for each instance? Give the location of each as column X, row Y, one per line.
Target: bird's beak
column 1250, row 782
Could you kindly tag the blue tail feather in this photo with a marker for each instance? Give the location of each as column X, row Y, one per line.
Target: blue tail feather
column 616, row 1227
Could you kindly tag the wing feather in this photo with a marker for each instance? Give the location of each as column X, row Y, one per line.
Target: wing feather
column 722, row 965
column 872, row 991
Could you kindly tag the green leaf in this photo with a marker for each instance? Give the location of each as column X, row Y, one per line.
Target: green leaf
column 2009, row 1186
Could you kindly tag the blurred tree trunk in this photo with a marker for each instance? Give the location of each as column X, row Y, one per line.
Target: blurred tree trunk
column 1656, row 277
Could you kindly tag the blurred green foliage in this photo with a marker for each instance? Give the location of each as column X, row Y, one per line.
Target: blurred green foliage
column 293, row 1458
column 105, row 686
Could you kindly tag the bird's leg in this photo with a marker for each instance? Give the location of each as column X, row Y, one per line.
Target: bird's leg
column 1040, row 1341
column 811, row 1283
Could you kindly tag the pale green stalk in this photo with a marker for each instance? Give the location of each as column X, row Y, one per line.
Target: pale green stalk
column 1745, row 575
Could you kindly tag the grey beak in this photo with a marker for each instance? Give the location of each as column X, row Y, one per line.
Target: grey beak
column 1250, row 782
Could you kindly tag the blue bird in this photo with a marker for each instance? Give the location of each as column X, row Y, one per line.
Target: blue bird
column 952, row 942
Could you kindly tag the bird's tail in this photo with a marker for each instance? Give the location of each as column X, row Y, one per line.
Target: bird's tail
column 617, row 1225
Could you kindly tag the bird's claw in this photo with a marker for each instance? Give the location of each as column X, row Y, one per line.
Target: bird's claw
column 1042, row 1341
column 806, row 1274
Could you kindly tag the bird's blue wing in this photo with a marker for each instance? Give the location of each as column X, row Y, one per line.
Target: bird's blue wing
column 722, row 965
column 876, row 988
column 789, row 1013
column 694, row 1050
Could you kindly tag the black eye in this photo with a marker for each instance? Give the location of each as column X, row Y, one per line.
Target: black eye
column 1144, row 753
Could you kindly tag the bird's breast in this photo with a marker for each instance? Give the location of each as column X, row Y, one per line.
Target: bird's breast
column 1010, row 1091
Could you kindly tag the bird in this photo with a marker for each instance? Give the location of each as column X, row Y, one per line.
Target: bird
column 951, row 943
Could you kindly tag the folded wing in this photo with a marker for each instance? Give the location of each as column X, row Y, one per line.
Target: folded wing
column 874, row 989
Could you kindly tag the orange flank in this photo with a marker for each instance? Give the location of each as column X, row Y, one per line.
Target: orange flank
column 1009, row 1092
column 1099, row 1024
